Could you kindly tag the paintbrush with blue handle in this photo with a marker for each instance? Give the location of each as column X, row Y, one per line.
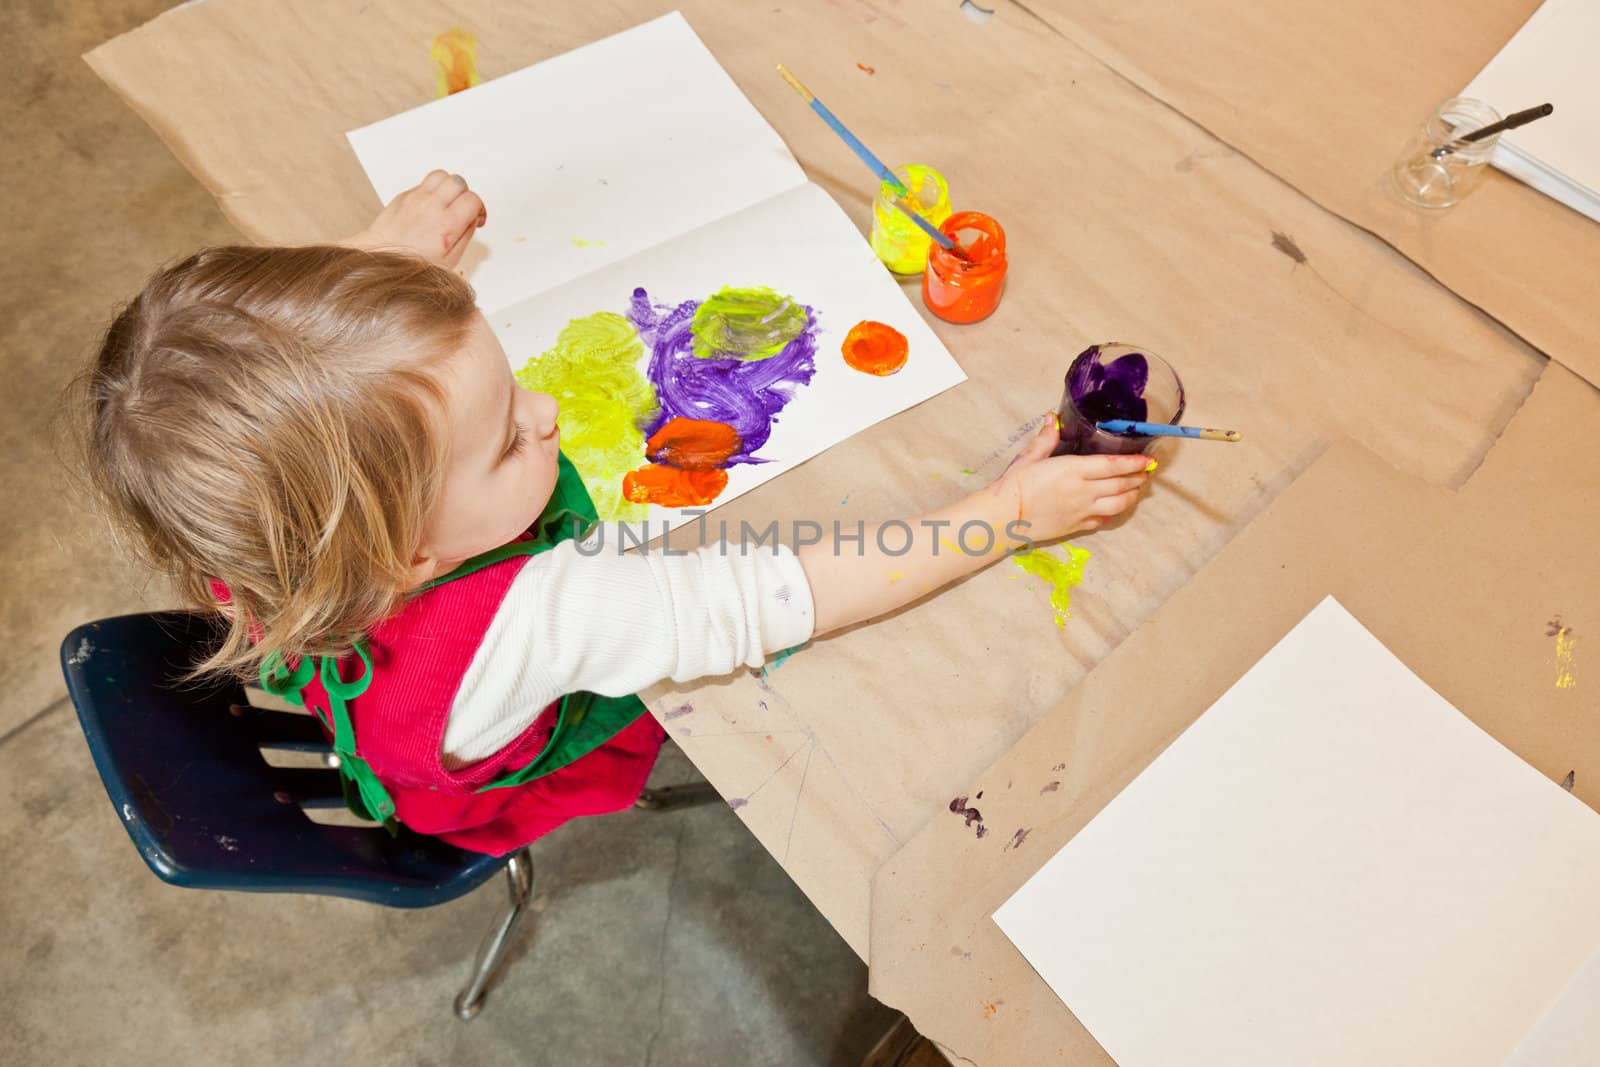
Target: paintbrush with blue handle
column 875, row 164
column 1129, row 428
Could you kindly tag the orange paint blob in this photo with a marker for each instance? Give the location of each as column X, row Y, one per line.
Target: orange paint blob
column 673, row 488
column 455, row 54
column 693, row 444
column 863, row 68
column 875, row 348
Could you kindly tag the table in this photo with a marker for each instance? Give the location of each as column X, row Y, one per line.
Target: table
column 1126, row 221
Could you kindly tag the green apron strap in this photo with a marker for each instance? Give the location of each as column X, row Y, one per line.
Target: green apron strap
column 373, row 795
column 584, row 722
column 280, row 681
column 277, row 679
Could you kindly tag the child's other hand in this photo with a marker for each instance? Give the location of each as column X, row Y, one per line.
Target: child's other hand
column 1063, row 495
column 436, row 220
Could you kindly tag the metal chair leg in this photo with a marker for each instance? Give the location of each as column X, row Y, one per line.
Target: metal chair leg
column 677, row 796
column 519, row 883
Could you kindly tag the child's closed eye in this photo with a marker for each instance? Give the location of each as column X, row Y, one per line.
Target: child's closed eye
column 519, row 441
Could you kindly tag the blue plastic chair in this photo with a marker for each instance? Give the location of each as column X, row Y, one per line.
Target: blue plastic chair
column 182, row 763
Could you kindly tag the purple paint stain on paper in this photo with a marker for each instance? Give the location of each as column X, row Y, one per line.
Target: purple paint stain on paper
column 746, row 394
column 680, row 710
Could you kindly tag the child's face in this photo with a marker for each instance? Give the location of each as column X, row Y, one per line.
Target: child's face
column 501, row 467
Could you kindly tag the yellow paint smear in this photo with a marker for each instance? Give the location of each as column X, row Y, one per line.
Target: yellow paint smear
column 455, row 54
column 1062, row 574
column 592, row 371
column 1564, row 648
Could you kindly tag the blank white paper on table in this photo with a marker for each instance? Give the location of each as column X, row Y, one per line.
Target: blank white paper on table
column 636, row 162
column 1332, row 865
column 1551, row 59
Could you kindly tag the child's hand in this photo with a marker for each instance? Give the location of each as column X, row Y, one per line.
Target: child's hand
column 436, row 220
column 1062, row 495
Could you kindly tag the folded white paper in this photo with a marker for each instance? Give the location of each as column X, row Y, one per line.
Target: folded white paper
column 635, row 163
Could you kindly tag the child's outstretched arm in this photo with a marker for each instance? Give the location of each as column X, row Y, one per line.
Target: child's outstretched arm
column 616, row 623
column 1038, row 498
column 434, row 219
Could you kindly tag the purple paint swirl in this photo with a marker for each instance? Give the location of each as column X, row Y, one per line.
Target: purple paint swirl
column 746, row 394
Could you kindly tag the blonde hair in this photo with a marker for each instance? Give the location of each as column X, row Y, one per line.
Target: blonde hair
column 265, row 417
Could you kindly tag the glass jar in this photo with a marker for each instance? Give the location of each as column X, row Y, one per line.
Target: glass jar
column 966, row 287
column 898, row 241
column 1430, row 177
column 1116, row 381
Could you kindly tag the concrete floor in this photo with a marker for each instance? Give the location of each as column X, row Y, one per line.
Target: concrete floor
column 664, row 939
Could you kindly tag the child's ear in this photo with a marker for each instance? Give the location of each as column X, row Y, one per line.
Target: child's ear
column 424, row 568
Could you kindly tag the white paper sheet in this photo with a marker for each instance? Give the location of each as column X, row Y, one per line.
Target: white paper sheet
column 1331, row 866
column 1551, row 59
column 619, row 145
column 666, row 178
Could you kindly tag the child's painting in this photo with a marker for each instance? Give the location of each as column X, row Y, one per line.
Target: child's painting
column 657, row 261
column 718, row 372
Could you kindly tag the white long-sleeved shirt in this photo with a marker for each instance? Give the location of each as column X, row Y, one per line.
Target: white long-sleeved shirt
column 614, row 624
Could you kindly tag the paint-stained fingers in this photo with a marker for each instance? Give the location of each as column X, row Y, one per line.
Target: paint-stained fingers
column 1108, row 506
column 1105, row 487
column 1098, row 467
column 433, row 180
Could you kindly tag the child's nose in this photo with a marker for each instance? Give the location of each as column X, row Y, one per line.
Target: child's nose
column 549, row 408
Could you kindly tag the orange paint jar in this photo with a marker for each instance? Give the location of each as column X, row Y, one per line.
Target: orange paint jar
column 966, row 290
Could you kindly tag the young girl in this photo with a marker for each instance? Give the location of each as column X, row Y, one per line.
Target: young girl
column 328, row 443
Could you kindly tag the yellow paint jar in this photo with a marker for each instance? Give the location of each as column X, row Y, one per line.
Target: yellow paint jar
column 897, row 240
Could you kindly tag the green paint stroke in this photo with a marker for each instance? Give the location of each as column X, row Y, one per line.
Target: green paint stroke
column 593, row 371
column 746, row 324
column 1062, row 574
column 779, row 659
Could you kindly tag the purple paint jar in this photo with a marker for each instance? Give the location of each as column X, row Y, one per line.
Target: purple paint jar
column 1116, row 381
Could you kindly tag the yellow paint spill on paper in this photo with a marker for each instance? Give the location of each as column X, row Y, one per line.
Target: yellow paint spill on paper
column 592, row 371
column 455, row 54
column 1062, row 574
column 1564, row 648
column 893, row 576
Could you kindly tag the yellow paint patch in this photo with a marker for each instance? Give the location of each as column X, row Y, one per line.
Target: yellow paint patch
column 455, row 54
column 1062, row 574
column 1564, row 649
column 893, row 576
